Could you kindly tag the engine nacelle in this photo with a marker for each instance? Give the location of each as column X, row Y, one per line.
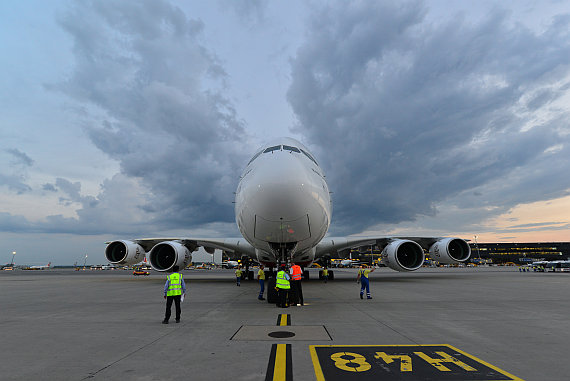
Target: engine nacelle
column 165, row 255
column 450, row 250
column 124, row 253
column 403, row 255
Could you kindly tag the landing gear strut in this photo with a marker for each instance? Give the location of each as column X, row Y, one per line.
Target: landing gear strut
column 282, row 251
column 247, row 273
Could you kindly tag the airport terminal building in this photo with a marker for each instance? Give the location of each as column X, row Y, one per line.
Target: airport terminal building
column 519, row 253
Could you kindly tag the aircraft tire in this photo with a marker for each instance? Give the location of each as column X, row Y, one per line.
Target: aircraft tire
column 306, row 275
column 271, row 292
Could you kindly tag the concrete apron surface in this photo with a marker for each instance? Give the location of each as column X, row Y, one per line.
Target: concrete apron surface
column 106, row 325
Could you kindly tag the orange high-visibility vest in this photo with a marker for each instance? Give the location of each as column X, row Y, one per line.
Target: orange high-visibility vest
column 296, row 272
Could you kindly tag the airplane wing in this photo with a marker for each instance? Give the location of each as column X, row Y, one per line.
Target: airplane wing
column 165, row 253
column 234, row 245
column 400, row 253
column 338, row 244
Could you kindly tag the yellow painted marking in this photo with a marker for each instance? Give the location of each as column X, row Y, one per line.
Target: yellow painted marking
column 515, row 378
column 405, row 361
column 280, row 370
column 283, row 320
column 319, row 375
column 437, row 363
column 316, row 363
column 354, row 358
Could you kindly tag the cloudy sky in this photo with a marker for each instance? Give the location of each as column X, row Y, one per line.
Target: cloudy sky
column 134, row 119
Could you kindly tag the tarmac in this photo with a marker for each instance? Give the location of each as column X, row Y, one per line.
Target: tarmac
column 106, row 325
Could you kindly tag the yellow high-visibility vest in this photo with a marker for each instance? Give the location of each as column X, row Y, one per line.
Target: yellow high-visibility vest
column 281, row 281
column 175, row 285
column 364, row 273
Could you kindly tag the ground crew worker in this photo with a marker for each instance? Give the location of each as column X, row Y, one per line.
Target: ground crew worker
column 238, row 276
column 364, row 282
column 261, row 278
column 283, row 286
column 174, row 288
column 326, row 274
column 296, row 294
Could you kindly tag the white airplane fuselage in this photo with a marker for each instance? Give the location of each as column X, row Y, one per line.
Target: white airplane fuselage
column 283, row 202
column 283, row 211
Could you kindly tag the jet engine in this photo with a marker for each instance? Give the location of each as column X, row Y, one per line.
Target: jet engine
column 124, row 253
column 450, row 250
column 165, row 255
column 403, row 255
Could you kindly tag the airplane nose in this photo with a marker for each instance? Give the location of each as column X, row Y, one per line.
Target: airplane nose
column 284, row 200
column 285, row 191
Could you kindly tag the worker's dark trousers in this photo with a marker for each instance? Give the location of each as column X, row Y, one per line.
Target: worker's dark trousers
column 283, row 296
column 261, row 288
column 364, row 284
column 169, row 300
column 296, row 296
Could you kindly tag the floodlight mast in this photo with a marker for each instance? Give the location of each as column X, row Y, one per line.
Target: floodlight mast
column 477, row 246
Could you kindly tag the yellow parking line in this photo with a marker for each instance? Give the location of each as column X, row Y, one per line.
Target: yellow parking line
column 280, row 370
column 284, row 319
column 280, row 367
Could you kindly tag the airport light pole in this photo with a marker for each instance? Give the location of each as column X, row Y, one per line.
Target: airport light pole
column 13, row 255
column 477, row 246
column 85, row 262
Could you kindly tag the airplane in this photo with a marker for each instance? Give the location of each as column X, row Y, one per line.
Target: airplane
column 283, row 211
column 349, row 263
column 48, row 266
column 230, row 264
column 562, row 265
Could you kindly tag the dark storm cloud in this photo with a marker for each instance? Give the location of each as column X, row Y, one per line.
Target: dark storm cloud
column 539, row 225
column 406, row 113
column 116, row 209
column 154, row 96
column 14, row 183
column 49, row 187
column 20, row 158
column 11, row 223
column 13, row 175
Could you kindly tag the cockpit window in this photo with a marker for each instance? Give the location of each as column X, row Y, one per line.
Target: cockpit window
column 310, row 157
column 291, row 149
column 271, row 149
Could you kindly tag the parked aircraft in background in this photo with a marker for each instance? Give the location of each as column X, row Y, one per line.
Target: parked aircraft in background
column 283, row 210
column 349, row 263
column 553, row 266
column 46, row 267
column 230, row 264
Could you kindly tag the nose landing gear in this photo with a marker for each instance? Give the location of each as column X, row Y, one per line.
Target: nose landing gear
column 283, row 253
